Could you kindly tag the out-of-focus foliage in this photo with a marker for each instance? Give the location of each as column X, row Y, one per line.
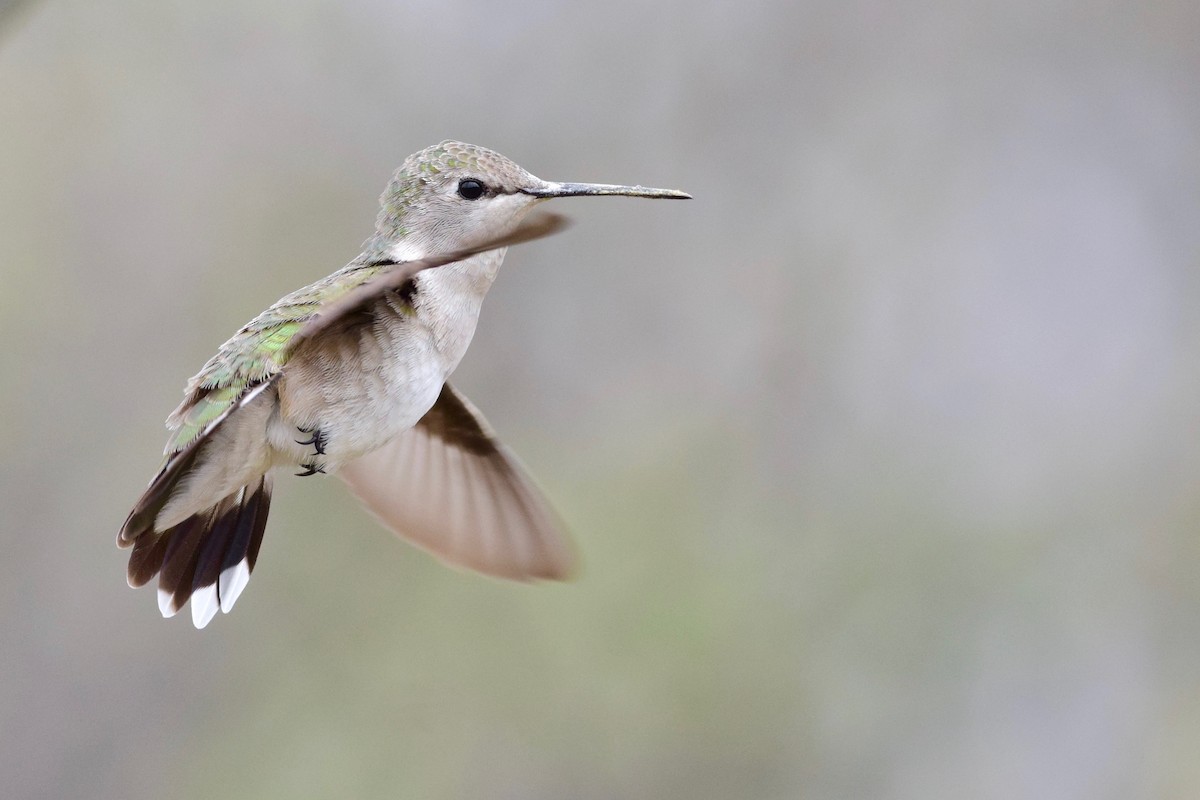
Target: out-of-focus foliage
column 881, row 453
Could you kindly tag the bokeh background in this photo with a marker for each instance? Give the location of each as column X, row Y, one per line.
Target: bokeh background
column 881, row 453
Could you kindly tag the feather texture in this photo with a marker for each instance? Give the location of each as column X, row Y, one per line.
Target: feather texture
column 194, row 556
column 448, row 486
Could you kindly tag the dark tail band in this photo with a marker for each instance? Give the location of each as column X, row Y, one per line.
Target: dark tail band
column 208, row 557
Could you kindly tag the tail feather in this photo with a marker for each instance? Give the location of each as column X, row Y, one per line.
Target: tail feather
column 179, row 562
column 213, row 551
column 236, row 562
column 146, row 558
column 141, row 518
column 207, row 557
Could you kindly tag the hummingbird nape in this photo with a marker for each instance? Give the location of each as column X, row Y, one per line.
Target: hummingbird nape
column 347, row 376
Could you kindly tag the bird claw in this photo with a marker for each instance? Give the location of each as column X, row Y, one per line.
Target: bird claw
column 318, row 440
column 311, row 469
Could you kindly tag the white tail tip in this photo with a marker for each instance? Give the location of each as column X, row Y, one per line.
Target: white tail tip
column 166, row 603
column 231, row 583
column 204, row 605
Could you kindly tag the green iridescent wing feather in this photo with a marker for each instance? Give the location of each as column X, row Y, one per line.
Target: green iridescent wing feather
column 256, row 353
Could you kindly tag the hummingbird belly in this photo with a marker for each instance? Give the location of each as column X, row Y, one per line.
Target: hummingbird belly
column 357, row 391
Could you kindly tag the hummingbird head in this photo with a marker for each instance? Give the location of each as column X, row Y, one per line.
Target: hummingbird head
column 453, row 193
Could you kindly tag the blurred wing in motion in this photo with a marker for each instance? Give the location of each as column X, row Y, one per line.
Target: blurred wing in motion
column 448, row 486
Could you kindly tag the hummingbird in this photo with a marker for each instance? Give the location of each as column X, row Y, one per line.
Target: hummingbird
column 347, row 376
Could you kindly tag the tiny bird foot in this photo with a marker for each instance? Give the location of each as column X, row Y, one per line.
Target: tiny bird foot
column 318, row 440
column 311, row 468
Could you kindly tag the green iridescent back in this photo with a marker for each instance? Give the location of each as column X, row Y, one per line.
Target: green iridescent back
column 255, row 353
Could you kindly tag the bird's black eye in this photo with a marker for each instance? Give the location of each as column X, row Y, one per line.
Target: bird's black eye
column 470, row 189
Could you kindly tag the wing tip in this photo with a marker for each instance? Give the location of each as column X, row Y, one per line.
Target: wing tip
column 560, row 567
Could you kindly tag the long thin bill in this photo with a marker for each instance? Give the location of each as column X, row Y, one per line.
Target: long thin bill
column 552, row 189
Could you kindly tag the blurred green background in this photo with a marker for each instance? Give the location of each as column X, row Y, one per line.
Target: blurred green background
column 881, row 453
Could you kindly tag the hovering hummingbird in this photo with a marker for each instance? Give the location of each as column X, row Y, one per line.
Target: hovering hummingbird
column 348, row 375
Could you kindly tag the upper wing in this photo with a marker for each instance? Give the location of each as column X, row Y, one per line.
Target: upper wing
column 255, row 354
column 448, row 486
column 250, row 362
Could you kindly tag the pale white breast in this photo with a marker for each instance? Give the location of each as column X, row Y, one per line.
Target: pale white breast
column 362, row 389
